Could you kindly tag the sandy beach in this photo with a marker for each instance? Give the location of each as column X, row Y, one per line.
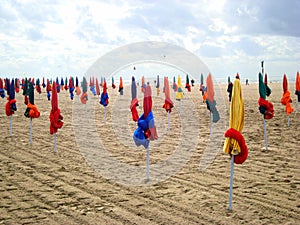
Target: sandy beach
column 38, row 186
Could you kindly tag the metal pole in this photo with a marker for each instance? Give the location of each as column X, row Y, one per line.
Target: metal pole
column 10, row 126
column 148, row 165
column 231, row 182
column 30, row 139
column 168, row 122
column 54, row 136
column 265, row 134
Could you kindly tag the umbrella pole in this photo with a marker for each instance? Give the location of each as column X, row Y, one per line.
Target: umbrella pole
column 30, row 139
column 104, row 114
column 231, row 182
column 288, row 121
column 147, row 165
column 10, row 126
column 210, row 125
column 265, row 134
column 180, row 107
column 168, row 122
column 54, row 136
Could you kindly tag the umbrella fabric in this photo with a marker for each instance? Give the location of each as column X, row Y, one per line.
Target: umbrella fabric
column 10, row 106
column 38, row 86
column 48, row 89
column 66, row 87
column 229, row 90
column 104, row 95
column 286, row 98
column 179, row 94
column 146, row 130
column 168, row 105
column 268, row 89
column 113, row 83
column 134, row 101
column 266, row 108
column 187, row 83
column 121, row 86
column 57, row 85
column 175, row 87
column 84, row 95
column 31, row 110
column 71, row 87
column 210, row 102
column 92, row 86
column 17, row 85
column 2, row 92
column 143, row 87
column 62, row 83
column 55, row 116
column 297, row 91
column 97, row 87
column 77, row 88
column 234, row 142
column 25, row 91
column 43, row 84
column 157, row 86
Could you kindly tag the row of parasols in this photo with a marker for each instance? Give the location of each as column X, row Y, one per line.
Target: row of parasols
column 145, row 132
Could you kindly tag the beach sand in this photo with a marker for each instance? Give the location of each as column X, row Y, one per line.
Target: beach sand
column 38, row 186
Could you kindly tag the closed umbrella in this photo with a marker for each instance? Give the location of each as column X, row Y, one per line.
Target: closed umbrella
column 134, row 101
column 175, row 87
column 286, row 98
column 77, row 88
column 71, row 87
column 168, row 105
column 113, row 83
column 121, row 86
column 10, row 106
column 31, row 111
column 97, row 87
column 55, row 116
column 235, row 144
column 265, row 107
column 84, row 95
column 157, row 86
column 211, row 102
column 297, row 91
column 104, row 99
column 2, row 91
column 146, row 129
column 187, row 83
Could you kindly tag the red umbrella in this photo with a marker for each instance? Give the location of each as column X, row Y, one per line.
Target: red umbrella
column 55, row 116
column 97, row 87
column 2, row 92
column 134, row 101
column 297, row 92
column 168, row 105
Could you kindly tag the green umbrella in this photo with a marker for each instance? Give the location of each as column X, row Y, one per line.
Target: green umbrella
column 261, row 86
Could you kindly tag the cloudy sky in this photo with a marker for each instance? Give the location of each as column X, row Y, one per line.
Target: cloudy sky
column 54, row 37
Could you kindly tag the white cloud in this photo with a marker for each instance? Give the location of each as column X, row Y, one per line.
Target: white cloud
column 58, row 37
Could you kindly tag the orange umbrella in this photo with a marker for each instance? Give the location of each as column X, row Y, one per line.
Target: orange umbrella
column 168, row 105
column 121, row 86
column 210, row 102
column 97, row 87
column 84, row 95
column 286, row 98
column 143, row 87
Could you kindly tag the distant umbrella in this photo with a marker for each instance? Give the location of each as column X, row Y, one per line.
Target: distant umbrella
column 10, row 106
column 97, row 87
column 297, row 91
column 113, row 83
column 175, row 87
column 121, row 86
column 157, row 86
column 71, row 87
column 77, row 88
column 134, row 101
column 168, row 105
column 84, row 95
column 2, row 91
column 286, row 98
column 187, row 83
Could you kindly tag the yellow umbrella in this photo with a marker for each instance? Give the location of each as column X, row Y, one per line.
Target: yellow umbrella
column 179, row 93
column 235, row 143
column 231, row 145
